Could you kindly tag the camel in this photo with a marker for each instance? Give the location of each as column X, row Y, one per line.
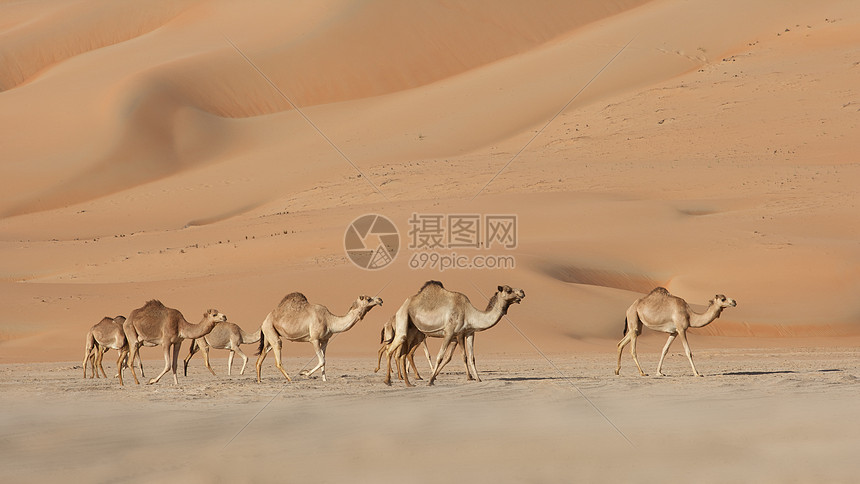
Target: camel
column 440, row 313
column 664, row 312
column 414, row 338
column 224, row 336
column 105, row 335
column 159, row 325
column 298, row 320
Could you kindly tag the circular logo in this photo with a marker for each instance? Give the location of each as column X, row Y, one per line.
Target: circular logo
column 371, row 242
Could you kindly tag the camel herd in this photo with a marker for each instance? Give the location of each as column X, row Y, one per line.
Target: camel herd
column 433, row 311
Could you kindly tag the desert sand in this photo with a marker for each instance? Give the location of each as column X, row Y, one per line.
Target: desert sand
column 213, row 155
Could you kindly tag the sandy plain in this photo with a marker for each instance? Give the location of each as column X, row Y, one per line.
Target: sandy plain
column 213, row 154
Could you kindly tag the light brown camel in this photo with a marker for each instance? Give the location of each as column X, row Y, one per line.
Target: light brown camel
column 224, row 336
column 298, row 320
column 440, row 313
column 159, row 325
column 105, row 335
column 664, row 312
column 414, row 339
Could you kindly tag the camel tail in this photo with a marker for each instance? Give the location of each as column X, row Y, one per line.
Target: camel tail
column 91, row 342
column 262, row 344
column 625, row 327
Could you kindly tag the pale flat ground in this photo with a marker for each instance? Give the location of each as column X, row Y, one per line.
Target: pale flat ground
column 142, row 156
column 759, row 415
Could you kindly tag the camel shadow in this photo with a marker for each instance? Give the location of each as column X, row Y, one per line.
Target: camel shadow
column 531, row 378
column 774, row 372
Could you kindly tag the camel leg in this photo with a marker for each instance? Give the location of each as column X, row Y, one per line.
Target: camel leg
column 166, row 366
column 191, row 351
column 204, row 349
column 99, row 357
column 259, row 364
column 175, row 366
column 124, row 363
column 663, row 355
column 461, row 340
column 411, row 357
column 88, row 354
column 244, row 359
column 319, row 348
column 689, row 353
column 447, row 340
column 621, row 344
column 635, row 356
column 133, row 349
column 427, row 354
column 175, row 362
column 123, row 353
column 469, row 349
column 276, row 347
column 394, row 350
column 402, row 371
column 378, row 357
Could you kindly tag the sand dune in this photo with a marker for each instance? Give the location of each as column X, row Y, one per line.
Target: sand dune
column 145, row 155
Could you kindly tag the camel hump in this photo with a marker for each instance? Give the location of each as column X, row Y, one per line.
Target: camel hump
column 431, row 283
column 292, row 302
column 153, row 305
column 660, row 290
column 294, row 297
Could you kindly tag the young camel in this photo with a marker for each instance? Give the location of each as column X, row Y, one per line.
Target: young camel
column 664, row 312
column 224, row 336
column 105, row 335
column 414, row 338
column 298, row 320
column 440, row 313
column 159, row 325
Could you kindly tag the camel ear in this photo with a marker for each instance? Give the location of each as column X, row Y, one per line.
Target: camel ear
column 501, row 288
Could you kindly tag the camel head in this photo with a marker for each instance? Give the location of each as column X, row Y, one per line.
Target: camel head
column 365, row 303
column 723, row 301
column 510, row 294
column 214, row 315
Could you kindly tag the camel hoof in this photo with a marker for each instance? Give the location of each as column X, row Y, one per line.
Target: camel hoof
column 660, row 373
column 150, row 382
column 643, row 374
column 700, row 375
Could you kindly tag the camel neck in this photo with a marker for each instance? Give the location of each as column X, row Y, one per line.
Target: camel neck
column 339, row 324
column 700, row 320
column 193, row 331
column 483, row 320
